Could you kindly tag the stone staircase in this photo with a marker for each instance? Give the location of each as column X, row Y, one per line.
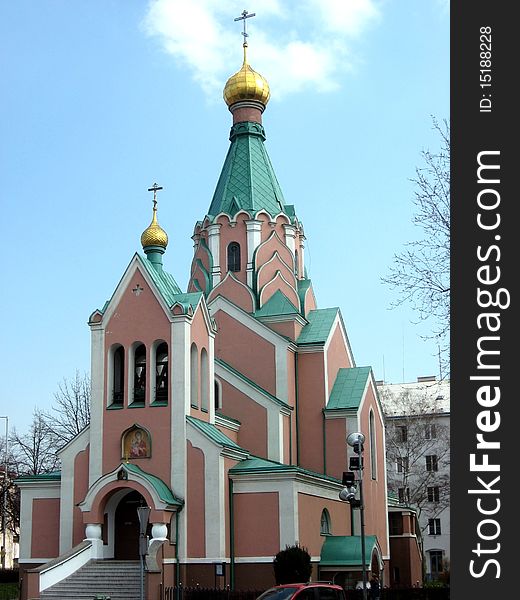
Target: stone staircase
column 114, row 579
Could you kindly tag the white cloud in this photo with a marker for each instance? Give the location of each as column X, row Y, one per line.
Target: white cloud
column 294, row 44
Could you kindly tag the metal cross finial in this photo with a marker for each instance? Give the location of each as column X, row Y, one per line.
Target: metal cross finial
column 245, row 15
column 155, row 188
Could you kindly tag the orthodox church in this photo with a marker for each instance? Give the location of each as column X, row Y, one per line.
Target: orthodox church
column 223, row 408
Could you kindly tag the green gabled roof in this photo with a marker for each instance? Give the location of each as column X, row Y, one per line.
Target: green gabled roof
column 247, row 180
column 318, row 329
column 345, row 550
column 188, row 299
column 52, row 476
column 213, row 433
column 348, row 388
column 255, row 464
column 278, row 304
column 163, row 491
column 164, row 282
column 252, row 383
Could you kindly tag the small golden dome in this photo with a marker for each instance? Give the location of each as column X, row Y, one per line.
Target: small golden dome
column 154, row 234
column 246, row 84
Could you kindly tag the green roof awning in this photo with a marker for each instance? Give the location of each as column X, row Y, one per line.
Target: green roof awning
column 348, row 388
column 213, row 433
column 345, row 551
column 163, row 491
column 318, row 329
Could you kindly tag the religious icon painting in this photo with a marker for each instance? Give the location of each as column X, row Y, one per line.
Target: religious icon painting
column 136, row 443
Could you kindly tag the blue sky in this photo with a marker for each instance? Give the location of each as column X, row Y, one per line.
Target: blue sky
column 101, row 98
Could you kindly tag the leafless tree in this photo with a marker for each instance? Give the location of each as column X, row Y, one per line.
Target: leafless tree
column 71, row 411
column 421, row 273
column 34, row 452
column 8, row 491
column 418, row 451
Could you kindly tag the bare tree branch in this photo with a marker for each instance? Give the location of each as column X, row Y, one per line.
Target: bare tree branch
column 421, row 273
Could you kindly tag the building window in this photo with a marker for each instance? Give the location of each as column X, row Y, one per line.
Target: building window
column 432, row 463
column 139, row 373
column 325, row 528
column 395, row 524
column 161, row 373
column 404, row 495
column 118, row 370
column 217, row 398
column 397, row 575
column 372, row 436
column 296, row 266
column 433, row 494
column 436, row 563
column 402, row 433
column 430, row 432
column 402, row 464
column 434, row 526
column 233, row 256
column 204, row 380
column 194, row 376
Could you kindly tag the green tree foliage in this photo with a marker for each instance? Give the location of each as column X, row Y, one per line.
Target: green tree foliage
column 292, row 565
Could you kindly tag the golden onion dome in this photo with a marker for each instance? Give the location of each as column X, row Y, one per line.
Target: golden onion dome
column 246, row 84
column 154, row 234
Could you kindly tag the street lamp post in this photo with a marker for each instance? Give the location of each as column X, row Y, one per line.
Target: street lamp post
column 4, row 495
column 143, row 512
column 348, row 493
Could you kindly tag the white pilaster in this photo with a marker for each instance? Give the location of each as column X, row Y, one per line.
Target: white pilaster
column 180, row 378
column 97, row 404
column 254, row 238
column 214, row 248
column 290, row 235
column 302, row 255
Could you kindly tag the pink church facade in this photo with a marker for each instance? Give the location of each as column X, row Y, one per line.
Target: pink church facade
column 225, row 409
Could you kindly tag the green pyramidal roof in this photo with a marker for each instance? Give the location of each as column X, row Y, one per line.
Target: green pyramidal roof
column 247, row 180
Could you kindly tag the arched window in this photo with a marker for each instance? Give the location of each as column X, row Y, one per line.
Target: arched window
column 139, row 373
column 325, row 528
column 372, row 436
column 194, row 376
column 161, row 372
column 204, row 380
column 217, row 399
column 296, row 269
column 233, row 256
column 118, row 373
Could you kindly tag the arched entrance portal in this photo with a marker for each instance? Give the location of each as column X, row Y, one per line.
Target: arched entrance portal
column 126, row 521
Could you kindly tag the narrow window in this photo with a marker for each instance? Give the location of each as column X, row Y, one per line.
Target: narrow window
column 434, row 526
column 194, row 378
column 372, row 435
column 204, row 380
column 139, row 373
column 430, row 432
column 402, row 464
column 325, row 523
column 433, row 494
column 402, row 433
column 296, row 263
column 217, row 399
column 395, row 523
column 119, row 376
column 233, row 256
column 161, row 373
column 436, row 566
column 432, row 462
column 404, row 495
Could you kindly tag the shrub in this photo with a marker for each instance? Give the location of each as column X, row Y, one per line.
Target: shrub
column 292, row 565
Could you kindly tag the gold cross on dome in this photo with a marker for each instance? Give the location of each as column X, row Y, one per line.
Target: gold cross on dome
column 155, row 188
column 245, row 15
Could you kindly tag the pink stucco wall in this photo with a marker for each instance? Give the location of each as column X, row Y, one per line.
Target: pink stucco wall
column 337, row 356
column 253, row 418
column 195, row 503
column 310, row 509
column 45, row 528
column 232, row 290
column 257, row 528
column 245, row 350
column 374, row 489
column 336, row 449
column 311, row 401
